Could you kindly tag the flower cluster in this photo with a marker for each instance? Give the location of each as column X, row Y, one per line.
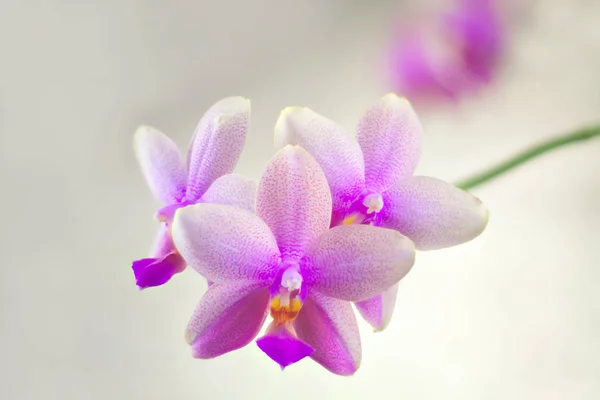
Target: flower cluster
column 334, row 220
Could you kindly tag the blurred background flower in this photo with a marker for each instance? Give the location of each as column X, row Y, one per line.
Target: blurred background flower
column 450, row 52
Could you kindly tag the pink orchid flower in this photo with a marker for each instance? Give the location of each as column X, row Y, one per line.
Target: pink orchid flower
column 451, row 54
column 212, row 156
column 371, row 181
column 286, row 260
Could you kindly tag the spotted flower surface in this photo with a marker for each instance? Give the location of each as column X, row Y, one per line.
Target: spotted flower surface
column 452, row 54
column 371, row 181
column 286, row 261
column 213, row 153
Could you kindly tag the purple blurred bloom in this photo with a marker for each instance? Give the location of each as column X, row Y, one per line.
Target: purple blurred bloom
column 286, row 260
column 452, row 55
column 212, row 156
column 371, row 181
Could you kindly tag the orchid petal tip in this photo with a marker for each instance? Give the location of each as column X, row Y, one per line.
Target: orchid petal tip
column 189, row 337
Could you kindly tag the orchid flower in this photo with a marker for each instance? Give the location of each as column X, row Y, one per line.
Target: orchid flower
column 371, row 181
column 284, row 260
column 212, row 156
column 453, row 54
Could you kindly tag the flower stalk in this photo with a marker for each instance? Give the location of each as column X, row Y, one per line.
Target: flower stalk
column 528, row 154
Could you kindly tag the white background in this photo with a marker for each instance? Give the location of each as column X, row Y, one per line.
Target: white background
column 514, row 314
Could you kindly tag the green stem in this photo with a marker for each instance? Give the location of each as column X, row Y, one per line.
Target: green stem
column 537, row 150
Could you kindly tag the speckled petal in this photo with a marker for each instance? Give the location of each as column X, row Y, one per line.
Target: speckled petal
column 378, row 310
column 161, row 164
column 217, row 144
column 329, row 327
column 225, row 243
column 232, row 189
column 338, row 153
column 228, row 317
column 433, row 213
column 294, row 200
column 357, row 262
column 390, row 137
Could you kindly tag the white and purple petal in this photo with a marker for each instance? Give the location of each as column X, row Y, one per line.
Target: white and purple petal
column 228, row 317
column 161, row 164
column 338, row 153
column 226, row 243
column 234, row 190
column 389, row 135
column 433, row 213
column 378, row 310
column 294, row 200
column 357, row 262
column 329, row 326
column 217, row 144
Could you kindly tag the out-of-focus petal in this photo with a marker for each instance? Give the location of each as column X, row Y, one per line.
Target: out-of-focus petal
column 217, row 144
column 412, row 70
column 357, row 262
column 433, row 213
column 338, row 153
column 294, row 200
column 390, row 137
column 329, row 327
column 378, row 310
column 282, row 346
column 161, row 164
column 228, row 317
column 477, row 27
column 225, row 243
column 232, row 189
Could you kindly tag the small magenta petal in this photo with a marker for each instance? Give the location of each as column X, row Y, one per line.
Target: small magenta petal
column 390, row 137
column 225, row 243
column 357, row 262
column 151, row 272
column 217, row 144
column 234, row 190
column 282, row 346
column 161, row 164
column 163, row 263
column 329, row 327
column 228, row 317
column 294, row 200
column 338, row 153
column 433, row 213
column 378, row 310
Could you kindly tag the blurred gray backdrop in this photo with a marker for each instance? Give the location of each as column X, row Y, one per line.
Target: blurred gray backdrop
column 514, row 314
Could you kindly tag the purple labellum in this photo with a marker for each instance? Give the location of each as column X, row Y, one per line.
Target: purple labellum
column 282, row 346
column 151, row 272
